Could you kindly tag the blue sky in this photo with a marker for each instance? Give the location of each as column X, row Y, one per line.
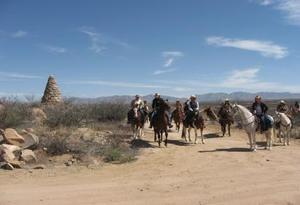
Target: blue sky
column 175, row 47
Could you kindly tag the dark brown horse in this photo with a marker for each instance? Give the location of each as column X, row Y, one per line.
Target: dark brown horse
column 225, row 119
column 160, row 124
column 178, row 116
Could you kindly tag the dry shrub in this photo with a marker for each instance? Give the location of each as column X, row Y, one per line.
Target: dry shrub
column 77, row 115
column 14, row 113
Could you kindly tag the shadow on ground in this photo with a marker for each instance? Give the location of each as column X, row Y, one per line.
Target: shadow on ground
column 233, row 149
column 139, row 143
column 178, row 142
column 211, row 135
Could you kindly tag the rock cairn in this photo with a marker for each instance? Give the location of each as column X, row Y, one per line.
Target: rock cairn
column 52, row 93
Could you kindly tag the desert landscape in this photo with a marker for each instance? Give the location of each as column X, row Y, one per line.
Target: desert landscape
column 133, row 102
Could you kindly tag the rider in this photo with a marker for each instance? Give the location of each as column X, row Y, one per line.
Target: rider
column 226, row 106
column 156, row 103
column 260, row 110
column 138, row 103
column 282, row 107
column 192, row 108
column 297, row 106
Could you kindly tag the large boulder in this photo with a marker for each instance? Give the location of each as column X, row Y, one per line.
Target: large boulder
column 12, row 137
column 28, row 156
column 10, row 154
column 31, row 141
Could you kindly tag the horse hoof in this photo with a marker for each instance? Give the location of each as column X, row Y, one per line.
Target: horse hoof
column 203, row 142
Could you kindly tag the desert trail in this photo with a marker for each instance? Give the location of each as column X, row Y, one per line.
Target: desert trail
column 222, row 171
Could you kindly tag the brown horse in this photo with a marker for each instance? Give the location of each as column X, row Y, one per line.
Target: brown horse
column 196, row 123
column 178, row 116
column 160, row 124
column 225, row 120
column 137, row 123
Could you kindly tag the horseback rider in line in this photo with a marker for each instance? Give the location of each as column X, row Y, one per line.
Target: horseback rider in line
column 259, row 109
column 226, row 108
column 156, row 103
column 138, row 103
column 192, row 108
column 283, row 108
column 179, row 108
column 297, row 106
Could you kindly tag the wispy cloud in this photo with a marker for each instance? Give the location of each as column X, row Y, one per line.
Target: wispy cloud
column 290, row 8
column 159, row 72
column 117, row 84
column 18, row 76
column 19, row 34
column 265, row 48
column 101, row 42
column 264, row 2
column 170, row 57
column 54, row 49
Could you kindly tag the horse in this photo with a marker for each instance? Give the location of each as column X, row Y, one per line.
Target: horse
column 285, row 127
column 249, row 123
column 178, row 116
column 137, row 123
column 160, row 124
column 225, row 120
column 196, row 123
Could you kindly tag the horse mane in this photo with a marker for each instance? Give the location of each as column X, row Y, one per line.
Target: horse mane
column 284, row 117
column 244, row 110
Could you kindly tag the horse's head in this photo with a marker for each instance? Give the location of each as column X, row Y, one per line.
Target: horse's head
column 210, row 113
column 136, row 112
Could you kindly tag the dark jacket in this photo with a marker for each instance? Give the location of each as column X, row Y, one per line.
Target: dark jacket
column 264, row 107
column 156, row 103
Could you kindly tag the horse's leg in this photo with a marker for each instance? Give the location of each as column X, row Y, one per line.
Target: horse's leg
column 196, row 137
column 223, row 128
column 155, row 135
column 284, row 137
column 158, row 138
column 229, row 129
column 288, row 136
column 133, row 131
column 183, row 133
column 250, row 140
column 189, row 133
column 166, row 140
column 254, row 141
column 201, row 134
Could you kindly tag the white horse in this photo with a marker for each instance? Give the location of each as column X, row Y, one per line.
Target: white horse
column 248, row 121
column 285, row 127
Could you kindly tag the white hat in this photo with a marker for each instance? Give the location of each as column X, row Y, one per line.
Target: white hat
column 282, row 102
column 193, row 96
column 156, row 94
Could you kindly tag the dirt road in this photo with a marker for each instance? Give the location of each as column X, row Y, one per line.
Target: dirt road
column 220, row 172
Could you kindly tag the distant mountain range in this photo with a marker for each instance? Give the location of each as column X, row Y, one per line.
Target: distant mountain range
column 208, row 97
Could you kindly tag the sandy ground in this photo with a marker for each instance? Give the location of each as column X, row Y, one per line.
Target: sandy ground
column 220, row 172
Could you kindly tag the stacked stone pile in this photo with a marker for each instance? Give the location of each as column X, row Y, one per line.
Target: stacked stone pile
column 52, row 93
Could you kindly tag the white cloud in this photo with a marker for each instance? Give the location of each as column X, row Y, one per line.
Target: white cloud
column 159, row 72
column 170, row 57
column 169, row 62
column 18, row 75
column 264, row 2
column 265, row 48
column 291, row 8
column 54, row 49
column 117, row 84
column 100, row 42
column 19, row 34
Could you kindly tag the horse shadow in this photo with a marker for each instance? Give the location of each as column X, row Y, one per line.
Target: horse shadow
column 211, row 135
column 140, row 143
column 177, row 142
column 233, row 149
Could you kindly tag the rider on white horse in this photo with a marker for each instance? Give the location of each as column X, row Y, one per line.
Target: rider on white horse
column 259, row 109
column 138, row 103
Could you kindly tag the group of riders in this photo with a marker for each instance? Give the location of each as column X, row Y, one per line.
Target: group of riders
column 191, row 109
